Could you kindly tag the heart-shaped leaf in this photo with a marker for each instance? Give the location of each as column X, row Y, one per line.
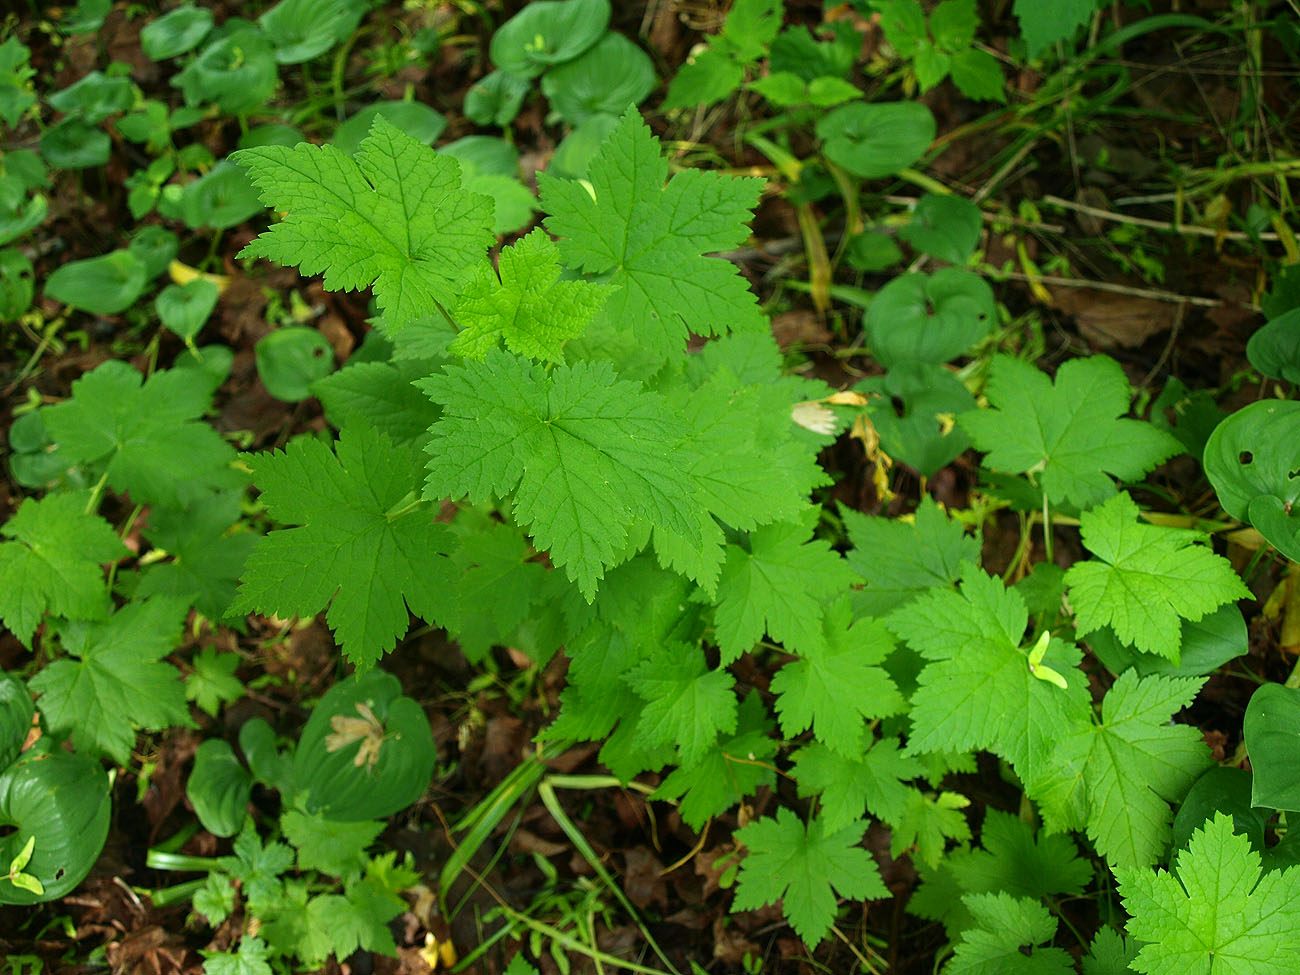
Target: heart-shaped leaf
column 909, row 415
column 183, row 309
column 290, row 359
column 876, row 140
column 929, row 318
column 100, row 285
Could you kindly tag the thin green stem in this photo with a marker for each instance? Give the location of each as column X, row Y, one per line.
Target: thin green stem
column 1047, row 529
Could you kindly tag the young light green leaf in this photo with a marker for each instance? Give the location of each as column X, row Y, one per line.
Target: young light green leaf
column 651, row 238
column 212, row 682
column 1068, row 432
column 394, row 217
column 1213, row 912
column 804, row 868
column 585, row 454
column 1146, row 579
column 926, row 825
column 118, row 681
column 528, row 307
column 363, row 544
column 53, row 563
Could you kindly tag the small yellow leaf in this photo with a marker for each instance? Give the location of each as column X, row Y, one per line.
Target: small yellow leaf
column 183, row 274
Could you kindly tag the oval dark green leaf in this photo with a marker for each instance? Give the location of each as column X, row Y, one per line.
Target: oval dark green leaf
column 303, row 29
column 929, row 318
column 416, row 119
column 946, row 227
column 399, row 740
column 74, row 144
column 219, row 788
column 1275, row 349
column 221, row 198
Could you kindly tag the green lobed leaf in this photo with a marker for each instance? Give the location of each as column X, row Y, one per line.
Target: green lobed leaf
column 528, row 306
column 394, row 217
column 53, row 562
column 1118, row 777
column 804, row 868
column 361, row 544
column 1213, row 911
column 147, row 431
column 651, row 239
column 810, row 691
column 687, row 705
column 1067, row 432
column 585, row 454
column 1146, row 579
column 777, row 585
column 978, row 689
column 118, row 681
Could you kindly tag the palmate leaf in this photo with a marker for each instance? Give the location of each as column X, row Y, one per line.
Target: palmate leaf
column 1213, row 913
column 54, row 562
column 899, row 561
column 734, row 767
column 1146, row 579
column 1068, row 432
column 528, row 307
column 811, row 690
column 686, row 705
column 777, row 585
column 1007, row 939
column 117, row 681
column 148, row 432
column 1118, row 777
column 394, row 217
column 978, row 690
column 874, row 779
column 651, row 238
column 363, row 544
column 804, row 868
column 585, row 454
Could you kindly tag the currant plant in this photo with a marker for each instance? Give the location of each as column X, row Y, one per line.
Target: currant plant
column 670, row 491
